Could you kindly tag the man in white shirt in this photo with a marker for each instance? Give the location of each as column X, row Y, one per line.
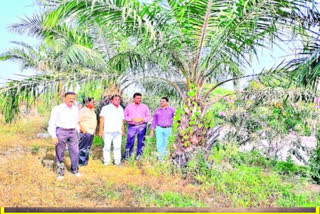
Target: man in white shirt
column 111, row 128
column 64, row 129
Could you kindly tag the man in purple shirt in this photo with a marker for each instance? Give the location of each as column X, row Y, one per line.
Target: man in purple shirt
column 162, row 122
column 137, row 115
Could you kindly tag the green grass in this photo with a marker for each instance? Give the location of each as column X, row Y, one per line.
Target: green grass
column 149, row 198
column 247, row 186
column 299, row 200
column 35, row 148
column 97, row 141
column 251, row 180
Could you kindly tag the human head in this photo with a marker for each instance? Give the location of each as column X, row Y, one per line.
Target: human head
column 69, row 98
column 137, row 97
column 116, row 100
column 89, row 102
column 164, row 102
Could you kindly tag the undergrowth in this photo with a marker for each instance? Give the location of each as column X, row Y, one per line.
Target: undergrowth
column 251, row 180
column 226, row 178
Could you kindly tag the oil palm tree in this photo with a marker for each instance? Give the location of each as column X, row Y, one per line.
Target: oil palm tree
column 190, row 42
column 184, row 44
column 68, row 55
column 65, row 58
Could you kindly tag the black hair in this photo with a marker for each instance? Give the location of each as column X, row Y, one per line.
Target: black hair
column 69, row 93
column 165, row 98
column 116, row 95
column 137, row 94
column 87, row 100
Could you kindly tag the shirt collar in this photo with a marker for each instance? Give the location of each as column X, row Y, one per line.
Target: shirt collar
column 65, row 106
column 89, row 108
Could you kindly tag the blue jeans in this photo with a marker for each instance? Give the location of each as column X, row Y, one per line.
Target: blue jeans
column 162, row 135
column 133, row 131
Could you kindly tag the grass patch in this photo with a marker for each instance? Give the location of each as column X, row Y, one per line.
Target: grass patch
column 228, row 178
column 97, row 141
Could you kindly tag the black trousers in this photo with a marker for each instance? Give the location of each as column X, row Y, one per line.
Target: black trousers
column 85, row 144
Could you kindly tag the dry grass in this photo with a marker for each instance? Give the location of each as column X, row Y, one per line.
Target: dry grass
column 24, row 181
column 22, row 133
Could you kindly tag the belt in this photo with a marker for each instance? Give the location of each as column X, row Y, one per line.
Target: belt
column 66, row 129
column 165, row 127
column 137, row 124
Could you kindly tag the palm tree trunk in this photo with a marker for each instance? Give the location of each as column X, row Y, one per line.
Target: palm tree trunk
column 192, row 131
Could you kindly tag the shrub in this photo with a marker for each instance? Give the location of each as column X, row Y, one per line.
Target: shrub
column 315, row 161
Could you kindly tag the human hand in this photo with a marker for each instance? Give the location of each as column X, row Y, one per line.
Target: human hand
column 151, row 133
column 136, row 120
column 141, row 120
column 100, row 133
column 55, row 140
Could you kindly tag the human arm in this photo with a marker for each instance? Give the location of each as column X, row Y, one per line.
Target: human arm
column 101, row 121
column 127, row 115
column 52, row 123
column 82, row 129
column 81, row 120
column 154, row 121
column 147, row 116
column 122, row 128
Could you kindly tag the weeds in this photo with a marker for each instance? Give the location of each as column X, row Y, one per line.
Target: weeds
column 35, row 148
column 227, row 177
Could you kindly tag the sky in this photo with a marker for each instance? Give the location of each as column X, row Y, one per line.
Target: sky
column 13, row 10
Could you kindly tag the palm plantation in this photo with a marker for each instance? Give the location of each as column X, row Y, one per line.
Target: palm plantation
column 184, row 50
column 182, row 44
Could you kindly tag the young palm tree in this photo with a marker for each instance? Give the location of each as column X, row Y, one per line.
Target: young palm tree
column 191, row 42
column 68, row 55
column 65, row 58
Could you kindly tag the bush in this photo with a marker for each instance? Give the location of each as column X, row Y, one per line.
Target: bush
column 315, row 161
column 97, row 141
column 250, row 179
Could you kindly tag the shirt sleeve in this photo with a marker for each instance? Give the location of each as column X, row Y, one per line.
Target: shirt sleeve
column 154, row 121
column 52, row 122
column 122, row 115
column 102, row 111
column 78, row 123
column 82, row 115
column 127, row 116
column 147, row 116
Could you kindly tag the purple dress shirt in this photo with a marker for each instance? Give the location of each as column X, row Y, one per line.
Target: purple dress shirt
column 163, row 117
column 137, row 111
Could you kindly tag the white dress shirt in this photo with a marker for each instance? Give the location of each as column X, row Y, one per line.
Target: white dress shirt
column 64, row 117
column 113, row 118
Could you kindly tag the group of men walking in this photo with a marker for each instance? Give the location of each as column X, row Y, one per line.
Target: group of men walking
column 66, row 121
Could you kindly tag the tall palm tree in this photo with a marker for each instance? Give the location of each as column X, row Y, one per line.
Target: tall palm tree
column 184, row 44
column 191, row 42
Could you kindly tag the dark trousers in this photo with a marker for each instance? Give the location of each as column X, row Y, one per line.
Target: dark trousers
column 69, row 137
column 85, row 144
column 133, row 131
